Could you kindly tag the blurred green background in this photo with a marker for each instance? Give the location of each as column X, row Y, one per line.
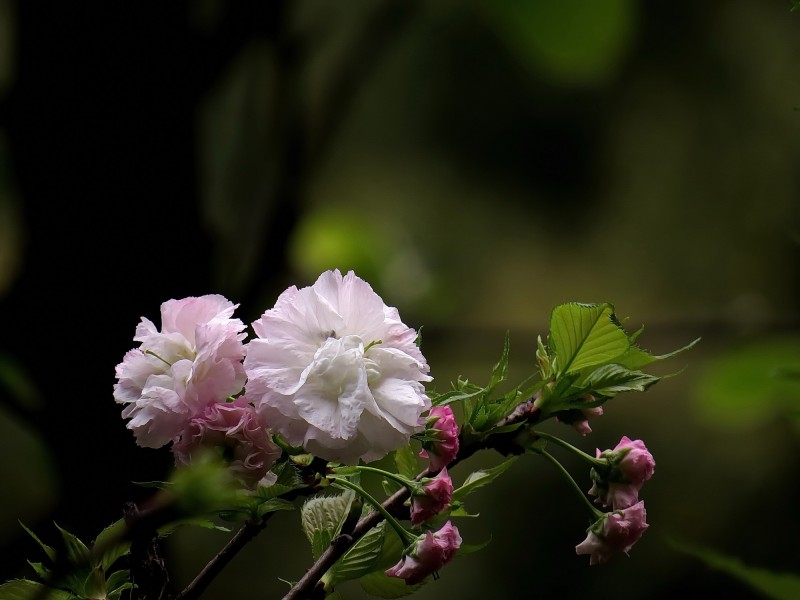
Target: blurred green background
column 478, row 162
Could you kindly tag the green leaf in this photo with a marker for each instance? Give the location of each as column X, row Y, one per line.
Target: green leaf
column 118, row 581
column 610, row 380
column 94, row 586
column 24, row 589
column 407, row 461
column 380, row 585
column 582, row 335
column 77, row 552
column 321, row 518
column 778, row 586
column 361, row 558
column 465, row 549
column 51, row 553
column 273, row 505
column 110, row 544
column 42, row 571
column 478, row 479
column 500, row 370
column 636, row 358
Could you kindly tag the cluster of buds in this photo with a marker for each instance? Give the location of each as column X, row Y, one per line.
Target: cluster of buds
column 616, row 480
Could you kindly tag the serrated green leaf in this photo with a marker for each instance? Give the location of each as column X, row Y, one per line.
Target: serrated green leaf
column 24, row 589
column 778, row 586
column 500, row 370
column 380, row 585
column 110, row 544
column 582, row 335
column 42, row 571
column 77, row 552
column 273, row 505
column 407, row 462
column 321, row 518
column 636, row 358
column 478, row 479
column 610, row 380
column 361, row 558
column 48, row 550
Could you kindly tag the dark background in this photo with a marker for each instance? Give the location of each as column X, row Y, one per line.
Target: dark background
column 478, row 162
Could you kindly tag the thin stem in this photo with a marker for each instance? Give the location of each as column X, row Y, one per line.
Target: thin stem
column 411, row 485
column 595, row 462
column 401, row 531
column 592, row 509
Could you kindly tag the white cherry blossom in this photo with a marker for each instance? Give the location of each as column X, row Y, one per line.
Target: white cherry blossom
column 336, row 371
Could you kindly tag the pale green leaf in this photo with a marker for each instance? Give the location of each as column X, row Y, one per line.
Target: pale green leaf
column 321, row 518
column 478, row 479
column 582, row 335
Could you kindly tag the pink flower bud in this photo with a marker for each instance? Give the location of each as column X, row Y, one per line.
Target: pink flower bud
column 615, row 532
column 429, row 554
column 630, row 464
column 579, row 417
column 444, row 450
column 236, row 428
column 436, row 496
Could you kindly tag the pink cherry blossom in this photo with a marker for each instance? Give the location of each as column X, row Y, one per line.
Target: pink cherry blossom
column 444, row 450
column 630, row 464
column 430, row 553
column 615, row 532
column 336, row 371
column 195, row 359
column 238, row 429
column 436, row 495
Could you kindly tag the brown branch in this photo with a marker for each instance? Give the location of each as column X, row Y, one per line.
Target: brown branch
column 242, row 537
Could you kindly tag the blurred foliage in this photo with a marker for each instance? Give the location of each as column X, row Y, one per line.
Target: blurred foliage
column 778, row 586
column 752, row 384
